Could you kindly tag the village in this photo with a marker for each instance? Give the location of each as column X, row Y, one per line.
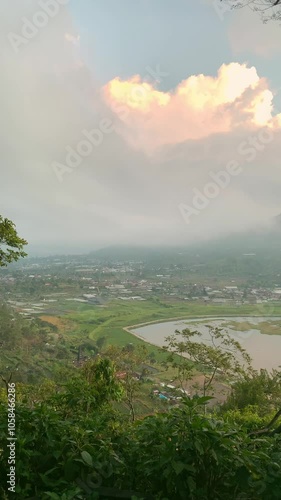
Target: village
column 42, row 285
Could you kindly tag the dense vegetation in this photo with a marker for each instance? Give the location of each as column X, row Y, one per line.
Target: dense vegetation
column 72, row 442
column 79, row 434
column 79, row 431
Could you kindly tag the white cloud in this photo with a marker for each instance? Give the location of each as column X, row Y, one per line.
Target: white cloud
column 200, row 106
column 119, row 193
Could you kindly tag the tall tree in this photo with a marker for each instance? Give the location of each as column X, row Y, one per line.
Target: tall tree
column 11, row 245
column 217, row 354
column 129, row 361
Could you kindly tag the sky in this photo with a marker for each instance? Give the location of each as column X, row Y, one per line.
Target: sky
column 137, row 122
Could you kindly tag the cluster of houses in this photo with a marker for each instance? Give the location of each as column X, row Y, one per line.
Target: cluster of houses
column 56, row 280
column 169, row 392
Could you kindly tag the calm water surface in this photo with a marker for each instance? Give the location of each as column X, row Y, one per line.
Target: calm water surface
column 265, row 350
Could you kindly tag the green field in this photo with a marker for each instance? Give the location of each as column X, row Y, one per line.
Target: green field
column 110, row 321
column 43, row 349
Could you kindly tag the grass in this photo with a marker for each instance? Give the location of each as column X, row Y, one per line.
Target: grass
column 265, row 327
column 269, row 328
column 241, row 326
column 83, row 323
column 112, row 320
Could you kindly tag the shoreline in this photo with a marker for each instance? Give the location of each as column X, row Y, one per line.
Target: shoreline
column 159, row 321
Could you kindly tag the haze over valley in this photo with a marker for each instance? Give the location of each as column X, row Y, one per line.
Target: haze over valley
column 140, row 250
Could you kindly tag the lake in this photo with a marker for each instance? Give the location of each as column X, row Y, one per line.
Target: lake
column 265, row 350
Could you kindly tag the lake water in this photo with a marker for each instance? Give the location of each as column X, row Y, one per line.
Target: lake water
column 265, row 350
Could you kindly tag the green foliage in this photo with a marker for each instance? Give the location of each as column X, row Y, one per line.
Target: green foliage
column 88, row 389
column 11, row 245
column 58, row 427
column 50, row 451
column 129, row 360
column 261, row 390
column 248, row 418
column 180, row 454
column 22, row 344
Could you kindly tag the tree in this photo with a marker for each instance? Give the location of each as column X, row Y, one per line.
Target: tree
column 268, row 9
column 219, row 353
column 87, row 390
column 11, row 245
column 129, row 360
column 260, row 390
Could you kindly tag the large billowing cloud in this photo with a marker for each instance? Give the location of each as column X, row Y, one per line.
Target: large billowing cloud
column 118, row 193
column 200, row 106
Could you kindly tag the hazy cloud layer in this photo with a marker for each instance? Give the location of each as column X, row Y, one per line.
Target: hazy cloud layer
column 155, row 149
column 246, row 32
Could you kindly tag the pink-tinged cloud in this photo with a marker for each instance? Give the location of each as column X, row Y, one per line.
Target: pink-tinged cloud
column 199, row 107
